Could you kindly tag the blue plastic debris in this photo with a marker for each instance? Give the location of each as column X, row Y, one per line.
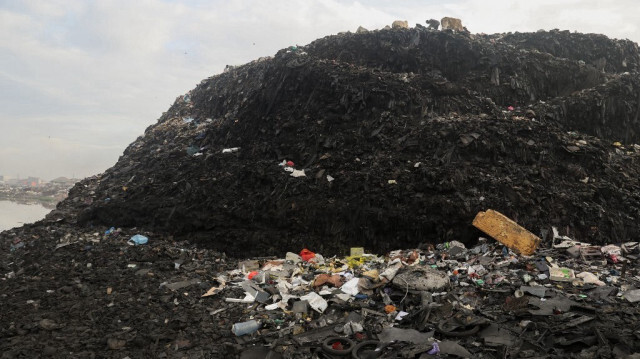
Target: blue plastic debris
column 138, row 239
column 110, row 230
column 435, row 349
column 192, row 150
column 16, row 246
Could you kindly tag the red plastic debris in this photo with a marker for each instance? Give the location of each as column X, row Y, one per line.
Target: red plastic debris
column 337, row 346
column 510, row 108
column 306, row 255
column 252, row 274
column 290, row 163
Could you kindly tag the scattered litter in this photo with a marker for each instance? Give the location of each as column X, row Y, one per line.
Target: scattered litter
column 562, row 274
column 138, row 239
column 244, row 328
column 307, row 255
column 315, row 301
column 298, row 173
column 632, row 296
column 216, row 289
column 588, row 277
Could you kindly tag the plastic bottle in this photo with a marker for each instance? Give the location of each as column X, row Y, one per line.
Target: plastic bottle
column 247, row 327
column 138, row 239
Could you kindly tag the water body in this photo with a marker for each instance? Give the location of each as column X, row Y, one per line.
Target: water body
column 15, row 214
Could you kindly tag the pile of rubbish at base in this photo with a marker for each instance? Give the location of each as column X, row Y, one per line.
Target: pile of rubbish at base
column 570, row 299
column 79, row 293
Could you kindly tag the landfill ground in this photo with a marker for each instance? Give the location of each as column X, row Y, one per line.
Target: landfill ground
column 391, row 140
column 70, row 293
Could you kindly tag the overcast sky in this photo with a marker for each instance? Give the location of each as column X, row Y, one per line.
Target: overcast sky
column 80, row 80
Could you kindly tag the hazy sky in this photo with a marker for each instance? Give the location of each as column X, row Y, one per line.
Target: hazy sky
column 80, row 80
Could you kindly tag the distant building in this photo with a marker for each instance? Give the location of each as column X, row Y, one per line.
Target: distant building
column 8, row 180
column 30, row 182
column 63, row 181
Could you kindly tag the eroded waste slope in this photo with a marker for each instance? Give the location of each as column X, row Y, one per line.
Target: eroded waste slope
column 403, row 136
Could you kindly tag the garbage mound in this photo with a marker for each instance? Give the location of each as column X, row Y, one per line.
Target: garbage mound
column 386, row 139
column 403, row 193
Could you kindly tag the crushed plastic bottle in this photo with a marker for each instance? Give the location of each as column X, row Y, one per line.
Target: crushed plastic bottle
column 248, row 327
